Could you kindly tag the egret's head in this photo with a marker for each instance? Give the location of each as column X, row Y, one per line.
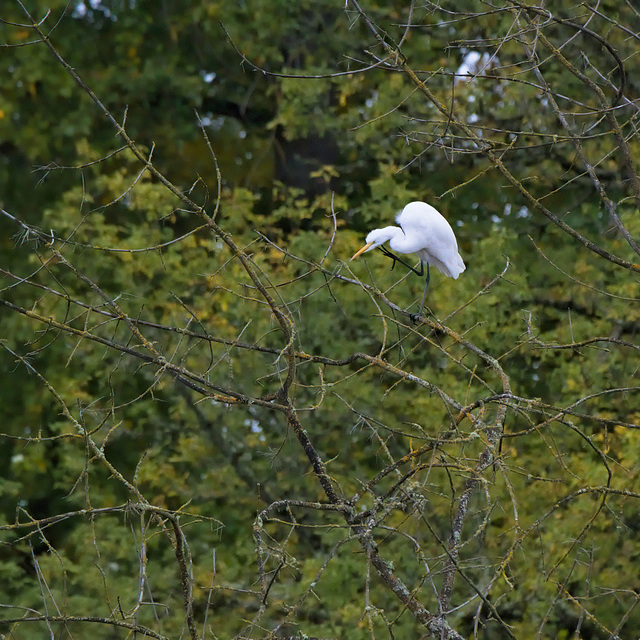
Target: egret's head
column 374, row 239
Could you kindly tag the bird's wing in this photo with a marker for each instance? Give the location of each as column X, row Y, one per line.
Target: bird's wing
column 431, row 232
column 443, row 248
column 435, row 243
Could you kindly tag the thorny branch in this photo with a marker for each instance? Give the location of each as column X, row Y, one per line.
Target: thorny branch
column 464, row 442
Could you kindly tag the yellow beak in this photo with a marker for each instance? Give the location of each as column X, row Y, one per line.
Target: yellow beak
column 366, row 246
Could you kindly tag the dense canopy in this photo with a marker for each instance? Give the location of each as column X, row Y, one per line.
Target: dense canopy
column 216, row 426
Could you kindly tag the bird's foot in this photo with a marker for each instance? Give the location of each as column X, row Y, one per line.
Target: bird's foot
column 419, row 318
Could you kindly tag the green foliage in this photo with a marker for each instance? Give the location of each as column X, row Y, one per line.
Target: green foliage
column 111, row 448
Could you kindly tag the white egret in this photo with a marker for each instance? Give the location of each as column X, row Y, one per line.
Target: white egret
column 424, row 231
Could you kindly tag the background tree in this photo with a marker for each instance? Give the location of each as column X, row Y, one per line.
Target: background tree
column 213, row 424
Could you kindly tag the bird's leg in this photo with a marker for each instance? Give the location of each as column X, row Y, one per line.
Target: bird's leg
column 415, row 316
column 391, row 255
column 395, row 259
